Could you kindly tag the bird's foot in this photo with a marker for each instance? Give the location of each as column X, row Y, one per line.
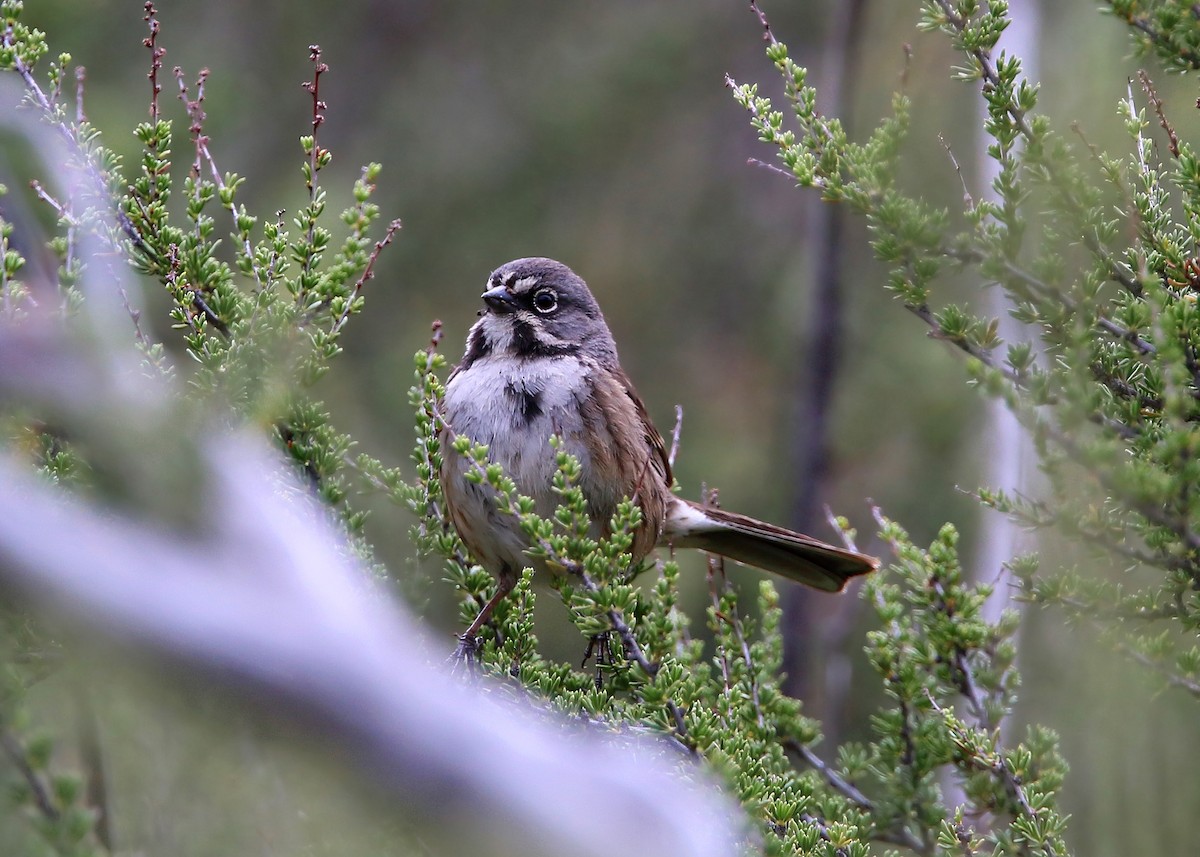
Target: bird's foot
column 466, row 653
column 599, row 645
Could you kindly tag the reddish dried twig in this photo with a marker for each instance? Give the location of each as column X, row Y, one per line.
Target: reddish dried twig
column 768, row 36
column 156, row 57
column 367, row 274
column 196, row 117
column 1157, row 104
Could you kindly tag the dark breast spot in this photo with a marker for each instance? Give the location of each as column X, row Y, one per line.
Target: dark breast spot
column 529, row 402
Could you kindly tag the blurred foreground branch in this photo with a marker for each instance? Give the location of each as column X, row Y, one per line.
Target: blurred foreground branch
column 264, row 602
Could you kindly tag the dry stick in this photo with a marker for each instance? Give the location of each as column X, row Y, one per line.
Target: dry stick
column 204, row 155
column 1190, row 359
column 156, row 55
column 196, row 118
column 768, row 36
column 968, row 200
column 755, row 162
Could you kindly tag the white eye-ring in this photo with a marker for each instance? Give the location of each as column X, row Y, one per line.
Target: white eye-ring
column 545, row 301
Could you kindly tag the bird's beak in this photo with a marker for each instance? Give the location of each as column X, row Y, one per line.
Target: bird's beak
column 499, row 300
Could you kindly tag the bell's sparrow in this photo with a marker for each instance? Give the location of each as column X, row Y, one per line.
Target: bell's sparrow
column 541, row 361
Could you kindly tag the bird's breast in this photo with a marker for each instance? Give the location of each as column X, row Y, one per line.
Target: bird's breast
column 514, row 406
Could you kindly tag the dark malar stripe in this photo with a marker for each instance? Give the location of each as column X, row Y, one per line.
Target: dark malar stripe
column 525, row 343
column 478, row 347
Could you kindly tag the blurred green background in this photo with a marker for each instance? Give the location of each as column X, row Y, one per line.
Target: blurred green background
column 602, row 134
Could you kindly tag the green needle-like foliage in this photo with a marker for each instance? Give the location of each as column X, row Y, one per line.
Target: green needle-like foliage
column 1098, row 256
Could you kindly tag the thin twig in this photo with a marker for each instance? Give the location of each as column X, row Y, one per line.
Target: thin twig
column 997, row 765
column 37, row 789
column 835, row 780
column 156, row 56
column 1160, row 111
column 367, row 273
column 775, row 168
column 64, row 130
column 768, row 36
column 313, row 87
column 968, row 201
column 1172, row 678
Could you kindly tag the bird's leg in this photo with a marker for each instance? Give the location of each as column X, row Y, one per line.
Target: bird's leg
column 601, row 646
column 468, row 640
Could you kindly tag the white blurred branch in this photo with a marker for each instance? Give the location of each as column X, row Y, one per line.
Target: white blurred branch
column 266, row 601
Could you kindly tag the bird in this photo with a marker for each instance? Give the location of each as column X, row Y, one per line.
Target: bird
column 541, row 362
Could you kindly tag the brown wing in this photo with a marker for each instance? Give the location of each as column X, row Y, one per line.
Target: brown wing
column 652, row 435
column 628, row 457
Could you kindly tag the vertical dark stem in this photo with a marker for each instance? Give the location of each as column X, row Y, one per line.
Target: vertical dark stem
column 92, row 759
column 807, row 643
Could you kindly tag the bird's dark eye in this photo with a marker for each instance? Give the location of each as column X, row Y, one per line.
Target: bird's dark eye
column 545, row 301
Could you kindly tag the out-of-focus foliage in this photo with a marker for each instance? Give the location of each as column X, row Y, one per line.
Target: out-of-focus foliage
column 1100, row 260
column 1166, row 28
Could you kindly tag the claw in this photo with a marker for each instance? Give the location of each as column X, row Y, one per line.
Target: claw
column 466, row 653
column 601, row 646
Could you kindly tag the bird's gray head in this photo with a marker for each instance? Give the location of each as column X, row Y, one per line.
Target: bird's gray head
column 538, row 307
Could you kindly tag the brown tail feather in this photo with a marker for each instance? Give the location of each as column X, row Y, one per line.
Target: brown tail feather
column 789, row 554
